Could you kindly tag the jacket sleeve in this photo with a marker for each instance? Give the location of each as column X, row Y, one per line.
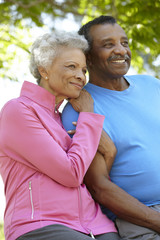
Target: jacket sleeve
column 25, row 139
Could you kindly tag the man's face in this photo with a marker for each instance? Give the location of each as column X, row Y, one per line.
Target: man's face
column 110, row 55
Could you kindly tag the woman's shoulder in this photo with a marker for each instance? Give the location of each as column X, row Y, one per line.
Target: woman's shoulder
column 14, row 108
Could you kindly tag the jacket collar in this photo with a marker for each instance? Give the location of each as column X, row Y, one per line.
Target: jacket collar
column 39, row 95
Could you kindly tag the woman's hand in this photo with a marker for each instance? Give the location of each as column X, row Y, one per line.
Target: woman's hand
column 84, row 103
column 72, row 131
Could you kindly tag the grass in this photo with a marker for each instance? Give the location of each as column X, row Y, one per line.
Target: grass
column 1, row 232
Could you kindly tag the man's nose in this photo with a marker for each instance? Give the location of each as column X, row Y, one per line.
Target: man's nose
column 119, row 49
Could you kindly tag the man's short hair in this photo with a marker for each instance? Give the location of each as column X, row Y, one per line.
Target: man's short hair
column 85, row 29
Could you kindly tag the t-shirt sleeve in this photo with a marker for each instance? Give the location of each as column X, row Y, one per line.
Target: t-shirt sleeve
column 69, row 115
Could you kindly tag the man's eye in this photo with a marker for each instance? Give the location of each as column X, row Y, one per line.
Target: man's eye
column 125, row 44
column 108, row 45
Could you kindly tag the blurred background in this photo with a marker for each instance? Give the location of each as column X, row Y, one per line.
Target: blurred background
column 21, row 21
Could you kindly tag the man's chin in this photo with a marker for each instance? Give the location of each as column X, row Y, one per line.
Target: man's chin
column 121, row 72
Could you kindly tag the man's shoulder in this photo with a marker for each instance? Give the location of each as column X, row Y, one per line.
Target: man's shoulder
column 89, row 86
column 141, row 76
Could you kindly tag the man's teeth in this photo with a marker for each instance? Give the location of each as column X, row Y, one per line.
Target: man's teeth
column 119, row 61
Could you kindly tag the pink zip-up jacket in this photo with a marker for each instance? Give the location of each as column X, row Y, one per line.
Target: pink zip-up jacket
column 43, row 168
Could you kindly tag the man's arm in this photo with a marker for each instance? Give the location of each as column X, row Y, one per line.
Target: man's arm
column 116, row 199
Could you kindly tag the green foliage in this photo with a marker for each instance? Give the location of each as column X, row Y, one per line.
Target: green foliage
column 1, row 232
column 15, row 41
column 140, row 20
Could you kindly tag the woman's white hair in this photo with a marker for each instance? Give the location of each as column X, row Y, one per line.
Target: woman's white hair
column 45, row 49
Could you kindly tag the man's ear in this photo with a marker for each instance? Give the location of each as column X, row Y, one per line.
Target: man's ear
column 43, row 72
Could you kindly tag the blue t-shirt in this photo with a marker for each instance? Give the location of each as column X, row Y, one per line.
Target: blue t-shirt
column 132, row 120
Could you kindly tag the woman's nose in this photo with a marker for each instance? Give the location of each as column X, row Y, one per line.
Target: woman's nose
column 80, row 75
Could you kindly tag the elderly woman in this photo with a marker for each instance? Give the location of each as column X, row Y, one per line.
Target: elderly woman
column 41, row 166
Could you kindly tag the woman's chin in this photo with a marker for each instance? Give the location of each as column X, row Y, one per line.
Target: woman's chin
column 74, row 95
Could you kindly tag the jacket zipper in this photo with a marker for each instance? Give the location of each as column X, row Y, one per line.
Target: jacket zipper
column 92, row 236
column 87, row 229
column 31, row 198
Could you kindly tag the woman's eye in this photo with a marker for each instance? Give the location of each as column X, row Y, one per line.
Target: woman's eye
column 72, row 66
column 84, row 71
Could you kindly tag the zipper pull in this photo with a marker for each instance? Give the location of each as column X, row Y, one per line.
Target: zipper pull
column 30, row 188
column 92, row 236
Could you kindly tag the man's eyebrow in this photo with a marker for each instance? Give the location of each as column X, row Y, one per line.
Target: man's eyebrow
column 125, row 38
column 107, row 40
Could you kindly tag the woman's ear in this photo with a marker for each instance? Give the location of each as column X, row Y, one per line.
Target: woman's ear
column 43, row 73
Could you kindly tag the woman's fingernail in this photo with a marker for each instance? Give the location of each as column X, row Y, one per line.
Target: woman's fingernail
column 69, row 131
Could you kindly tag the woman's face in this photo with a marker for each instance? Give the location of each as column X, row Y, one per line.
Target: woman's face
column 66, row 75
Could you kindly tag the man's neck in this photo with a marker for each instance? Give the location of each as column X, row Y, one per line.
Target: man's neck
column 117, row 84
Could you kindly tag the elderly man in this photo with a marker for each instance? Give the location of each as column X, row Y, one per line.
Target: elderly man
column 131, row 105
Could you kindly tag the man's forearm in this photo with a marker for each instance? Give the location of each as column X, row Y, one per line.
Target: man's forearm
column 116, row 199
column 124, row 205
